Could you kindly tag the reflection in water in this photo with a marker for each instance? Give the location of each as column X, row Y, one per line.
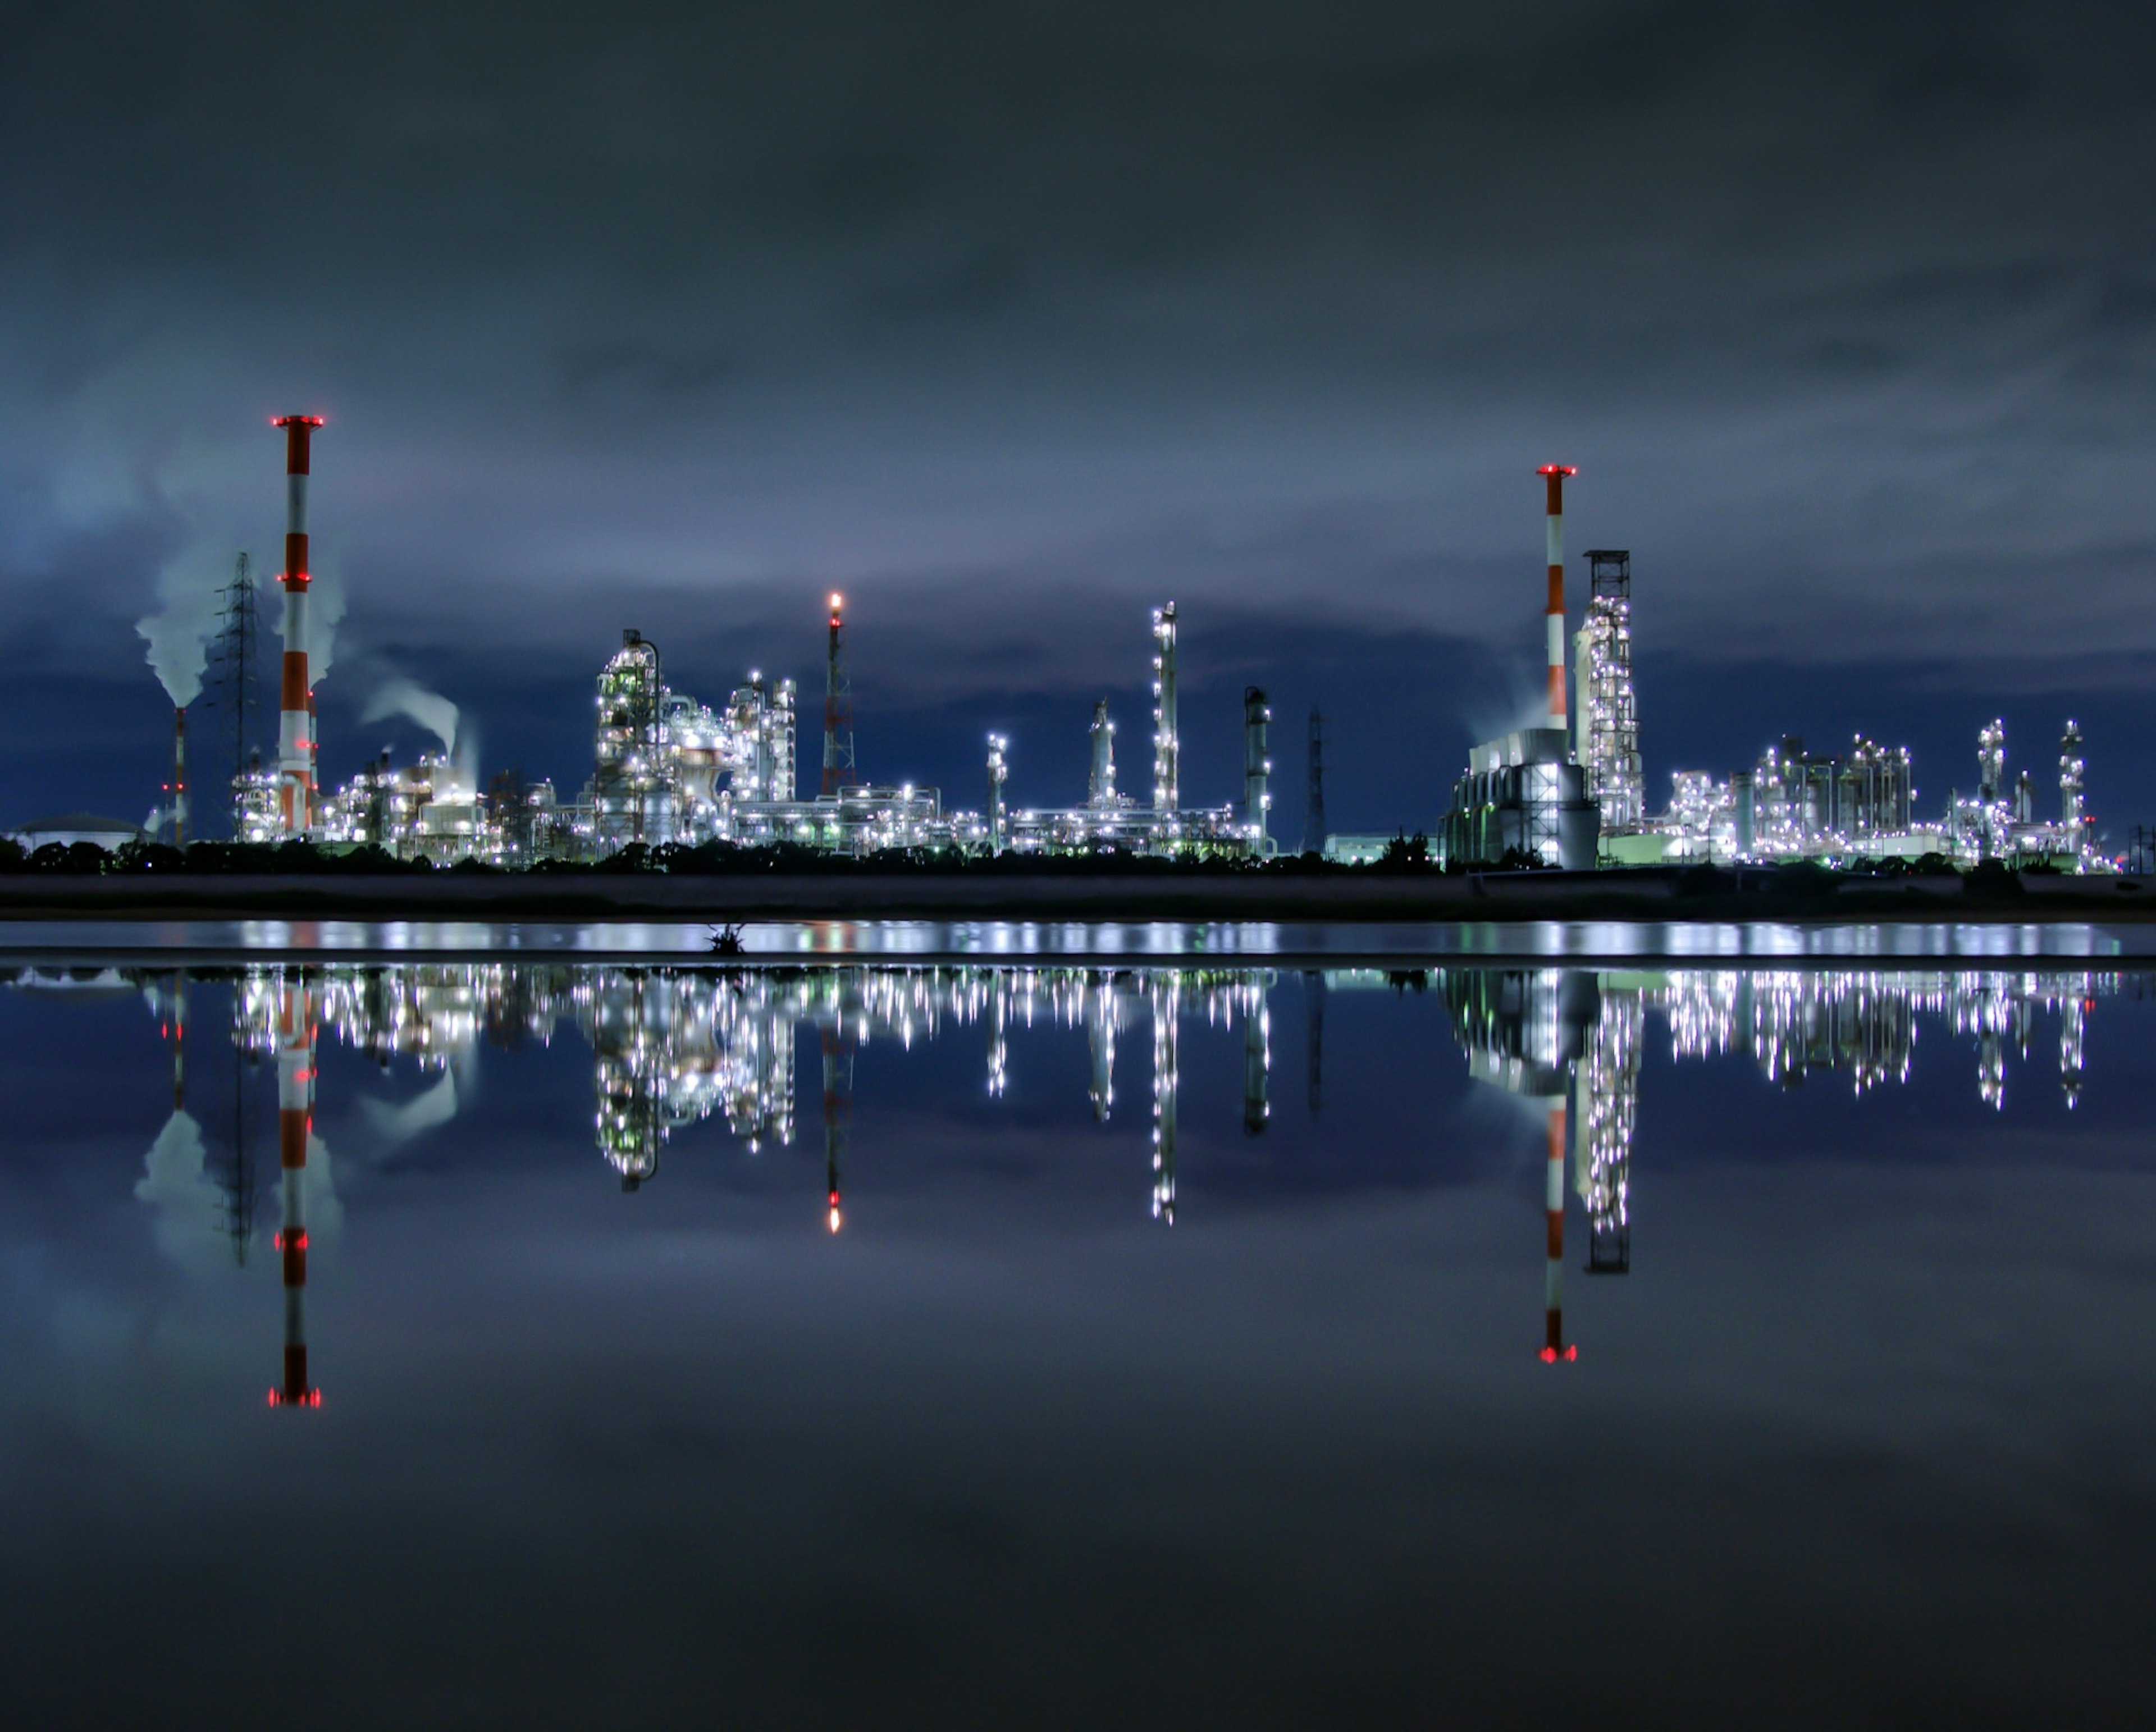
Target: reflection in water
column 672, row 1046
column 1574, row 1039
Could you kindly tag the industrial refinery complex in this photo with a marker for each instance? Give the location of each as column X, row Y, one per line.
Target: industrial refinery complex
column 668, row 770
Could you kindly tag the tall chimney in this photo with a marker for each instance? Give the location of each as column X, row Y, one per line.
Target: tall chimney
column 179, row 776
column 294, row 736
column 838, row 709
column 1554, row 473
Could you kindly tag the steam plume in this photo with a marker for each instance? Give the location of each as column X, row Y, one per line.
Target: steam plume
column 326, row 607
column 187, row 1208
column 430, row 710
column 397, row 1124
column 178, row 632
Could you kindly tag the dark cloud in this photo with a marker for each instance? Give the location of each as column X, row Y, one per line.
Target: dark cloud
column 1844, row 315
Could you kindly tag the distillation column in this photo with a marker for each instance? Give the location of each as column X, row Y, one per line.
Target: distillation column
column 1166, row 790
column 2073, row 770
column 296, row 761
column 1257, row 767
column 1101, row 779
column 999, row 773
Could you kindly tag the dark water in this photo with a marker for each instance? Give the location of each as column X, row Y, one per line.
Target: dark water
column 1078, row 1346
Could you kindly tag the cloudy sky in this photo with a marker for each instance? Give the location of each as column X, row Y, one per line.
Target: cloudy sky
column 1012, row 320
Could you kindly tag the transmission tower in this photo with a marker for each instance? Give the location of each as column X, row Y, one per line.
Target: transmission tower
column 233, row 670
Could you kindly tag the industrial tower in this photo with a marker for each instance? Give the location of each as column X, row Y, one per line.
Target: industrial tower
column 839, row 768
column 295, row 732
column 1608, row 716
column 1167, row 784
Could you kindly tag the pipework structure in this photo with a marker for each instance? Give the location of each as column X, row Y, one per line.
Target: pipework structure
column 1609, row 723
column 296, row 758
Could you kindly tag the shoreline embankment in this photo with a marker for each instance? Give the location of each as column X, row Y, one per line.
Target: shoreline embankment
column 722, row 898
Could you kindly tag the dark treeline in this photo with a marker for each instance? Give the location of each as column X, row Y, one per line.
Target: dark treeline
column 1404, row 856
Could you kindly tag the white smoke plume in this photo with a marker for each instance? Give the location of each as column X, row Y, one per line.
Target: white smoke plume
column 187, row 1207
column 398, row 1123
column 430, row 710
column 179, row 632
column 318, row 1196
column 326, row 607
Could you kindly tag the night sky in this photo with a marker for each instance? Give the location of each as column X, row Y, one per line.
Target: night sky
column 1014, row 321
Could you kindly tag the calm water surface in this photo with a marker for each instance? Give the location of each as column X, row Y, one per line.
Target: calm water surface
column 1076, row 1341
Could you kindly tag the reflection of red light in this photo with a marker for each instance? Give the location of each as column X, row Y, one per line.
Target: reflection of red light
column 1550, row 1355
column 834, row 1199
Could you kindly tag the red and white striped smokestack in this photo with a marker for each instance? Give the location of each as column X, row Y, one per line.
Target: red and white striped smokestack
column 295, row 777
column 295, row 1089
column 1554, row 1349
column 1554, row 473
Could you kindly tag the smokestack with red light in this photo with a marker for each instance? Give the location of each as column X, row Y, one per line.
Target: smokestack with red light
column 295, row 1091
column 179, row 776
column 838, row 707
column 296, row 761
column 1554, row 1349
column 1554, row 474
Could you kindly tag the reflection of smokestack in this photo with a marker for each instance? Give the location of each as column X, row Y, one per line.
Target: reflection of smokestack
column 295, row 756
column 179, row 776
column 1554, row 473
column 838, row 1107
column 180, row 1042
column 295, row 1084
column 1553, row 1344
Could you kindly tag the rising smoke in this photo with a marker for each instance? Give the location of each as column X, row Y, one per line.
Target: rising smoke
column 179, row 632
column 433, row 712
column 187, row 1207
column 398, row 1123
